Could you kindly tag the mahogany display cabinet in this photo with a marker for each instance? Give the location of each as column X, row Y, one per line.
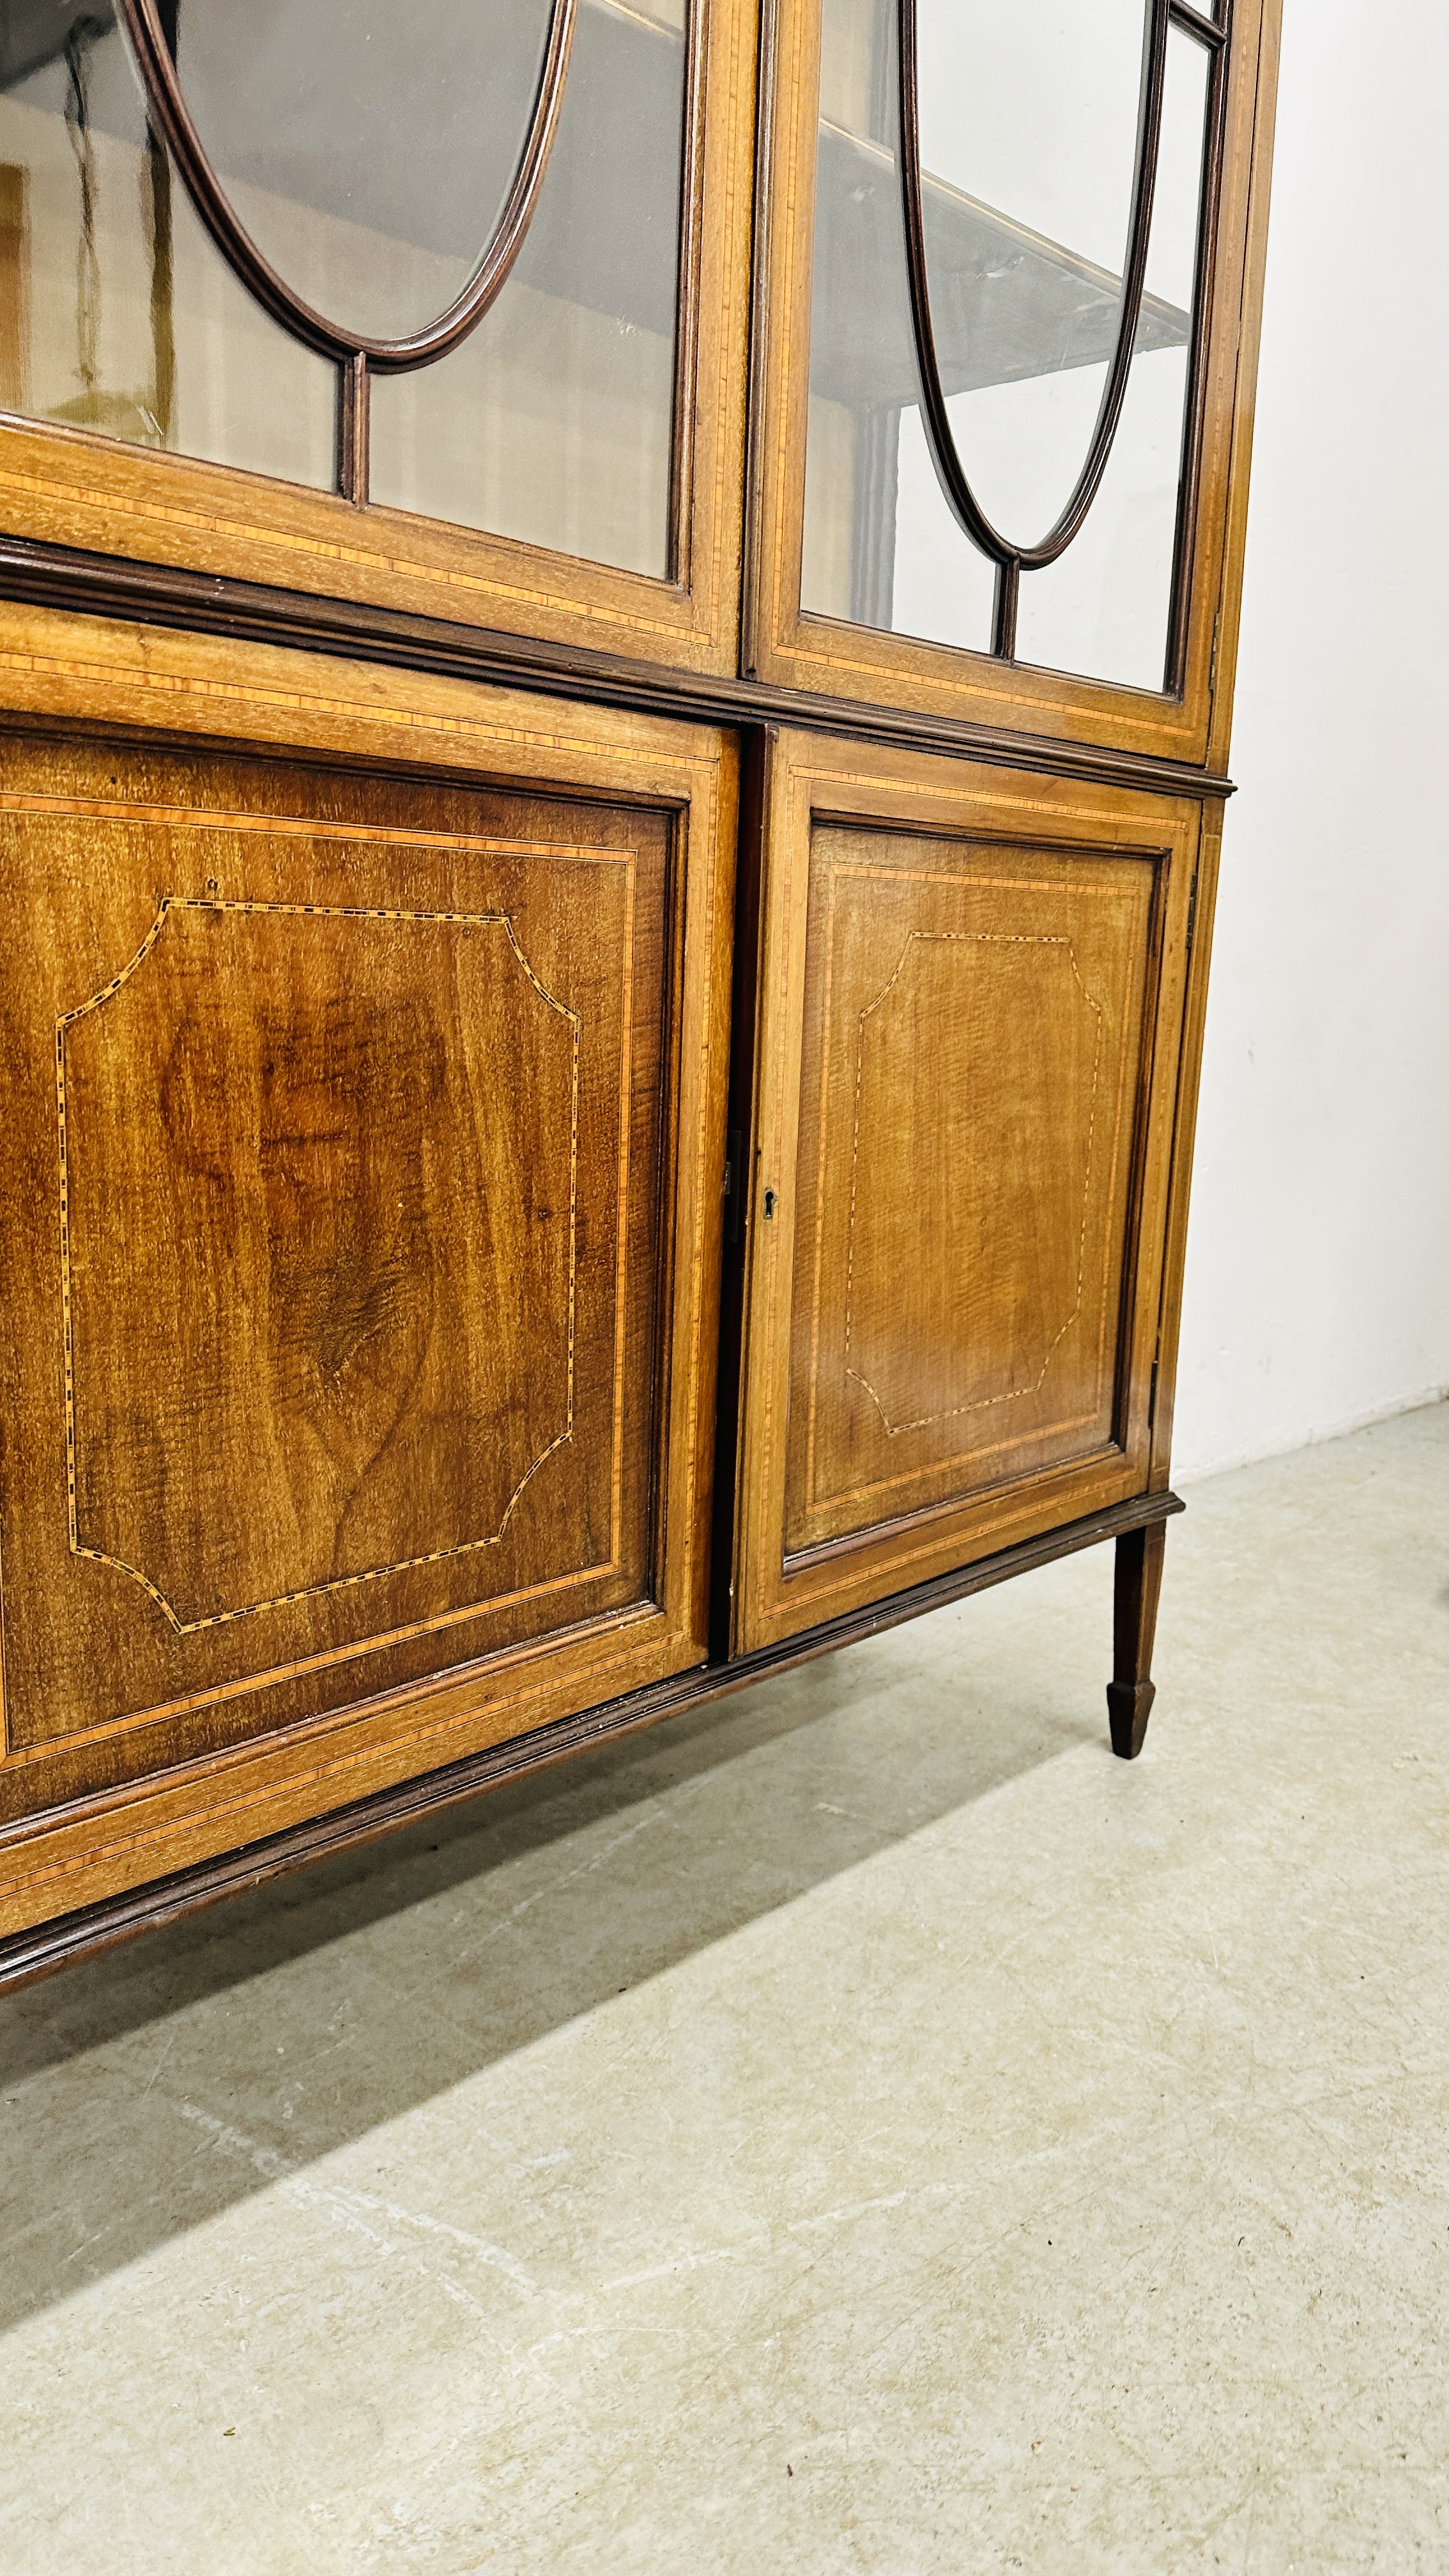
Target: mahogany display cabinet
column 617, row 626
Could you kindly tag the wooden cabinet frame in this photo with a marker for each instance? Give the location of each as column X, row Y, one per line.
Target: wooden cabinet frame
column 182, row 612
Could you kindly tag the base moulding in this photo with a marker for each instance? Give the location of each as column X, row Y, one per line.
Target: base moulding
column 43, row 1948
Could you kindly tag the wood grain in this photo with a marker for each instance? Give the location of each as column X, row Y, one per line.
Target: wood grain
column 355, row 1295
column 972, row 1044
column 1184, row 1130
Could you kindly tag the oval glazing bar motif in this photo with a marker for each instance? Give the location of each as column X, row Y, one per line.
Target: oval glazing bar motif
column 151, row 26
column 1013, row 556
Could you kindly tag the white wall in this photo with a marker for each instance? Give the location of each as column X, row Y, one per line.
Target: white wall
column 1318, row 1258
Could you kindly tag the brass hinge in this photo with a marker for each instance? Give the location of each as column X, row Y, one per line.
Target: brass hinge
column 1213, row 664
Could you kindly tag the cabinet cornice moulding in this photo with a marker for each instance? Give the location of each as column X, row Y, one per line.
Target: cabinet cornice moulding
column 36, row 574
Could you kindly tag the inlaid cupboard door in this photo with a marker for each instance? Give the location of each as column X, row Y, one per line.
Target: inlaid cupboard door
column 971, row 993
column 361, row 1162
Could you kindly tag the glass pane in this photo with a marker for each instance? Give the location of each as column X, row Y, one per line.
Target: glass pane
column 554, row 421
column 118, row 312
column 1029, row 119
column 367, row 148
column 881, row 547
column 1103, row 608
column 1025, row 326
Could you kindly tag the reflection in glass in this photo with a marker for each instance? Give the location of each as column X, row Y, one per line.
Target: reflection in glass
column 1028, row 119
column 367, row 148
column 554, row 420
column 880, row 548
column 118, row 312
column 1102, row 609
column 1026, row 224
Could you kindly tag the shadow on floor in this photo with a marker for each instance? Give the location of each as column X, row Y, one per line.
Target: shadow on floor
column 146, row 2091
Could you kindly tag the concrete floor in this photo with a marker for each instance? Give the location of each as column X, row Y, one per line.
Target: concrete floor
column 862, row 2127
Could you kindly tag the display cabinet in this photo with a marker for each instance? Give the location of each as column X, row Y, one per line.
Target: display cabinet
column 617, row 624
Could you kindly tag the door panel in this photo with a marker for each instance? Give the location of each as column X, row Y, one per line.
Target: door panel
column 320, row 1292
column 340, row 1268
column 972, row 989
column 973, row 1031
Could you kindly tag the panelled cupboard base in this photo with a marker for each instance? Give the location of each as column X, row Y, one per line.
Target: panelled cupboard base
column 1138, row 1528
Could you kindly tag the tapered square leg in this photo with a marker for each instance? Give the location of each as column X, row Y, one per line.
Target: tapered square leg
column 1130, row 1692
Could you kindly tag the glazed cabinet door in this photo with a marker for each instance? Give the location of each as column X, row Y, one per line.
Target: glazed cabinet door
column 1005, row 335
column 360, row 1171
column 971, row 990
column 462, row 290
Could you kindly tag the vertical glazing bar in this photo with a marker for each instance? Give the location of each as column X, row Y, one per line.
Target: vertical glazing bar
column 1008, row 593
column 353, row 393
column 156, row 215
column 1175, row 674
